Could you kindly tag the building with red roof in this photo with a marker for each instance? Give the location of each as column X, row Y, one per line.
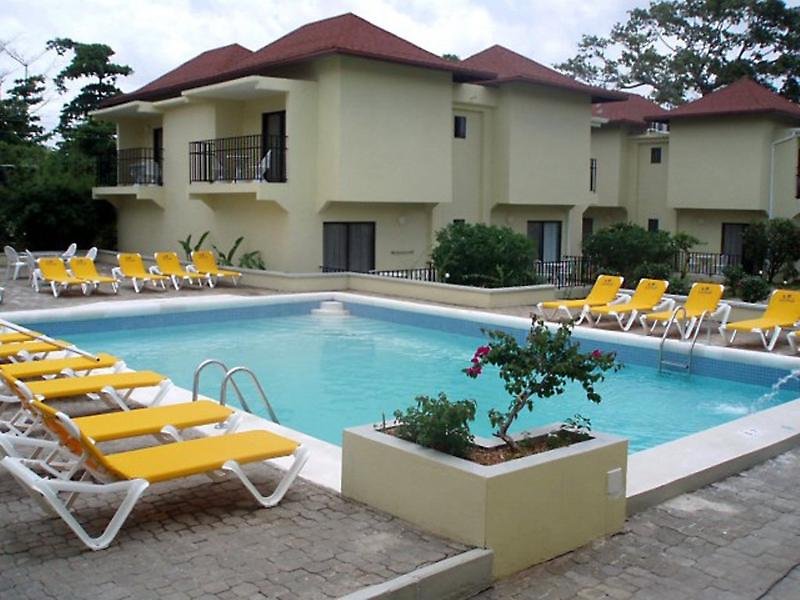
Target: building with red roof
column 342, row 145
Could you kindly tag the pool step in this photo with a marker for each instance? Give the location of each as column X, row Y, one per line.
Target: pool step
column 330, row 308
column 677, row 365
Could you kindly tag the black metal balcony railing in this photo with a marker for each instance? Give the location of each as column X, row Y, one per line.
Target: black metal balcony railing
column 242, row 158
column 131, row 166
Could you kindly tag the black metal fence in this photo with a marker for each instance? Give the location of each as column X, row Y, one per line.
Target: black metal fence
column 705, row 263
column 567, row 272
column 131, row 166
column 241, row 158
column 426, row 273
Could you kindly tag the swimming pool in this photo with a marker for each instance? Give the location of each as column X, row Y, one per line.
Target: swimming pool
column 323, row 374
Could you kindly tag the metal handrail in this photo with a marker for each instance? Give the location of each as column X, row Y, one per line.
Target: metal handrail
column 199, row 369
column 670, row 323
column 223, row 391
column 697, row 327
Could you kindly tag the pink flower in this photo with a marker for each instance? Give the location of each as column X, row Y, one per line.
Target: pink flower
column 474, row 371
column 482, row 351
column 597, row 354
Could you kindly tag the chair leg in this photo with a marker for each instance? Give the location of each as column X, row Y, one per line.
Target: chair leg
column 301, row 455
column 45, row 493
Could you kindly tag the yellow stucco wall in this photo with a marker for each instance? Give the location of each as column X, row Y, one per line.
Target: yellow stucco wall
column 720, row 163
column 608, row 148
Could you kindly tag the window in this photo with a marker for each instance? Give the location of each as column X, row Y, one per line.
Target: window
column 459, row 221
column 652, row 225
column 655, row 155
column 546, row 236
column 460, row 127
column 587, row 228
column 732, row 238
column 592, row 174
column 348, row 247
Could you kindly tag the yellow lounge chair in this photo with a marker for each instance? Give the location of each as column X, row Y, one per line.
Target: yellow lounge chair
column 84, row 268
column 161, row 421
column 703, row 301
column 206, row 264
column 30, row 349
column 131, row 473
column 604, row 290
column 18, row 336
column 648, row 296
column 36, row 369
column 131, row 267
column 170, row 265
column 783, row 310
column 106, row 386
column 51, row 270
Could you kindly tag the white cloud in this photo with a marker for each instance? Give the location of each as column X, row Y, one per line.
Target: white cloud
column 155, row 36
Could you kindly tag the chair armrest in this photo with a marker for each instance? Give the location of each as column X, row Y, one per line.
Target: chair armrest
column 116, row 273
column 721, row 314
column 622, row 298
column 191, row 269
column 154, row 270
column 665, row 304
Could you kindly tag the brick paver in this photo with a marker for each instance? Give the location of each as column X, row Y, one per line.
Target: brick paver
column 195, row 538
column 730, row 540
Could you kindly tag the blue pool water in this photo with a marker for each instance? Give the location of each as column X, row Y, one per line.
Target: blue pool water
column 325, row 374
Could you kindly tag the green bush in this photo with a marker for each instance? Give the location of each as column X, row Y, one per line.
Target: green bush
column 771, row 246
column 483, row 256
column 438, row 423
column 754, row 288
column 651, row 271
column 733, row 277
column 679, row 285
column 631, row 251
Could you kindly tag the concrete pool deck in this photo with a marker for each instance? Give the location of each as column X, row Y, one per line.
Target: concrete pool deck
column 564, row 577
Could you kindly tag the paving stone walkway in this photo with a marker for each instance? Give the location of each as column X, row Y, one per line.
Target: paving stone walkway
column 738, row 539
column 198, row 539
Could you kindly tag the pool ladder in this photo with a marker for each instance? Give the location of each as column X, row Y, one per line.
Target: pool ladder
column 228, row 380
column 673, row 320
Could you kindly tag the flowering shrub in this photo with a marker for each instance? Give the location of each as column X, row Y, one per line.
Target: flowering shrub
column 540, row 368
column 438, row 423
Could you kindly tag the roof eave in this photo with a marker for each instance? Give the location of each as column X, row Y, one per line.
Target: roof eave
column 733, row 113
column 598, row 95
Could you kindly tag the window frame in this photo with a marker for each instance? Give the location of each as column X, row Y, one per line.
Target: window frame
column 460, row 127
column 540, row 239
column 656, row 155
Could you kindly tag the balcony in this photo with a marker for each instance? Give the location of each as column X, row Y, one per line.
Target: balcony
column 131, row 166
column 131, row 173
column 248, row 158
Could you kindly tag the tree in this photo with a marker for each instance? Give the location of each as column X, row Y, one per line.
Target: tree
column 451, row 57
column 689, row 48
column 89, row 61
column 19, row 122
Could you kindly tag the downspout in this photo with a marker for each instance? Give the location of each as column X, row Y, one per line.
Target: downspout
column 793, row 134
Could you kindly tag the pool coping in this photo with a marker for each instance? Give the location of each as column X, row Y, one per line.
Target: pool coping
column 654, row 475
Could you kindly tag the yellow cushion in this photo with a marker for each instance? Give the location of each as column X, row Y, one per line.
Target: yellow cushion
column 579, row 303
column 14, row 348
column 762, row 324
column 147, row 421
column 193, row 457
column 14, row 336
column 38, row 368
column 75, row 386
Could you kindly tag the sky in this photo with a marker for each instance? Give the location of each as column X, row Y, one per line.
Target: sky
column 155, row 36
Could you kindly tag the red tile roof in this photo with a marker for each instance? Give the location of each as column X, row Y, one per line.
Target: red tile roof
column 743, row 97
column 203, row 66
column 635, row 110
column 350, row 34
column 511, row 66
column 345, row 34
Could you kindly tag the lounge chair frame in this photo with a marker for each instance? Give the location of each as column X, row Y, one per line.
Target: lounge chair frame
column 139, row 280
column 58, row 285
column 46, row 490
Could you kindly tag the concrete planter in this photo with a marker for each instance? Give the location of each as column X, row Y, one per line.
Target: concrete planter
column 526, row 510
